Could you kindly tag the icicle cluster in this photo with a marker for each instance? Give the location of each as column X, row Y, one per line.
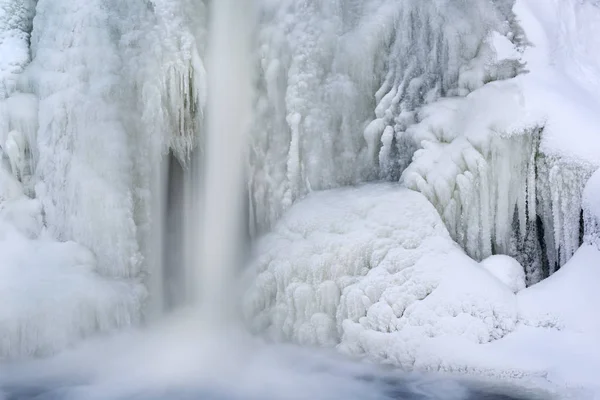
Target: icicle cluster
column 475, row 167
column 560, row 185
column 18, row 111
column 339, row 78
column 591, row 209
column 112, row 87
column 481, row 165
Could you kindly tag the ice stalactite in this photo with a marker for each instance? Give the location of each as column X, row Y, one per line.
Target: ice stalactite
column 560, row 186
column 18, row 121
column 591, row 210
column 480, row 163
column 118, row 85
column 83, row 171
column 338, row 79
column 476, row 166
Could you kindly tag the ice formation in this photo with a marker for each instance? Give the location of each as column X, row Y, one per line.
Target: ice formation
column 335, row 75
column 110, row 87
column 374, row 269
column 591, row 209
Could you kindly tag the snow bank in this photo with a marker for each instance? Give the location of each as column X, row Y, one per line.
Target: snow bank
column 374, row 269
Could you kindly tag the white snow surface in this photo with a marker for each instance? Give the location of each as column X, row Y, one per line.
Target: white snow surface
column 372, row 271
column 375, row 267
column 507, row 270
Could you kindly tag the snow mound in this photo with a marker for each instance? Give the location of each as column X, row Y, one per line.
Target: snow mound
column 507, row 270
column 566, row 299
column 50, row 293
column 374, row 269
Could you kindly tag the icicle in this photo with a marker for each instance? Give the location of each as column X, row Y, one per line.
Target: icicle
column 591, row 210
column 338, row 94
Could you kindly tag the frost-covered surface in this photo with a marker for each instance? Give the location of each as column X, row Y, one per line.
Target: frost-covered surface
column 117, row 84
column 591, row 209
column 15, row 26
column 373, row 271
column 50, row 293
column 373, row 267
column 503, row 166
column 507, row 270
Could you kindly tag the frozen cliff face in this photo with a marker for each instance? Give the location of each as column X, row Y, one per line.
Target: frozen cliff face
column 15, row 27
column 339, row 78
column 591, row 209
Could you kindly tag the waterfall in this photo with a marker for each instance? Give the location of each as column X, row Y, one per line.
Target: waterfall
column 216, row 236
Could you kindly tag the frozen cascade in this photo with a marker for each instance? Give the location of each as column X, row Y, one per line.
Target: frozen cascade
column 591, row 209
column 337, row 76
column 481, row 165
column 112, row 86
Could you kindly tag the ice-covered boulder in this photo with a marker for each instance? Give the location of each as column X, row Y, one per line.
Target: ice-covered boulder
column 374, row 270
column 507, row 270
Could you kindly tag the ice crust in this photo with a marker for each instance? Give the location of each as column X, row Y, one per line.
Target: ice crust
column 374, row 269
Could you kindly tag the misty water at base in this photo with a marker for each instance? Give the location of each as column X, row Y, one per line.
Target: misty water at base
column 179, row 360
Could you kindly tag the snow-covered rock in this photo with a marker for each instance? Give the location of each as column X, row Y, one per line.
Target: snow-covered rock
column 374, row 269
column 507, row 270
column 591, row 209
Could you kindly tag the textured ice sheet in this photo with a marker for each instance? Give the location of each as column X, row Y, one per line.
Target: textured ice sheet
column 374, row 269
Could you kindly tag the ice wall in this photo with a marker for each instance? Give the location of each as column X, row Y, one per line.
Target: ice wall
column 117, row 84
column 591, row 209
column 480, row 162
column 338, row 79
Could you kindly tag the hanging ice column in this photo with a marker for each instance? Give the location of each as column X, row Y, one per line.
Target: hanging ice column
column 17, row 110
column 591, row 209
